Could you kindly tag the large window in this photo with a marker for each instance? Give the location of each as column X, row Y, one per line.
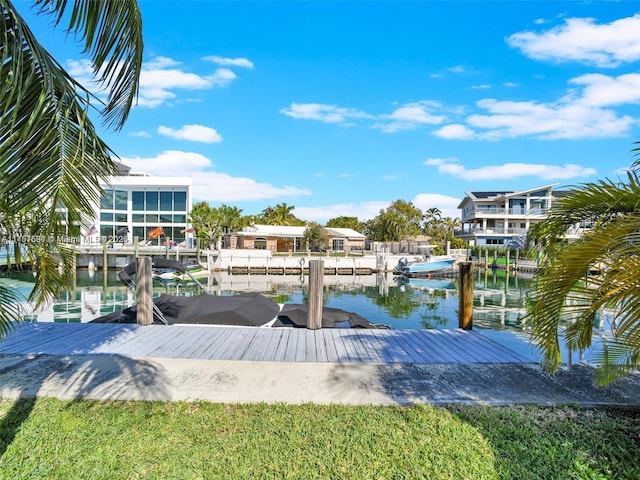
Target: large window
column 151, row 201
column 106, row 200
column 120, row 197
column 166, row 201
column 143, row 211
column 154, row 201
column 113, row 200
column 180, row 202
column 137, row 201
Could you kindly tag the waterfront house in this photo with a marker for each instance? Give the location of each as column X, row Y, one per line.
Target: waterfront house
column 289, row 239
column 503, row 218
column 134, row 205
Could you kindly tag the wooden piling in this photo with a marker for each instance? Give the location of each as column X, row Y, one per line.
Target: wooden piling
column 314, row 312
column 465, row 308
column 144, row 291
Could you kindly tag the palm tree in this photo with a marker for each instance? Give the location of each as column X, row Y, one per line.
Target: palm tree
column 563, row 293
column 51, row 157
column 281, row 214
column 432, row 216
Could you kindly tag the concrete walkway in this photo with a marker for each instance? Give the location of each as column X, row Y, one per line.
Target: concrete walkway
column 115, row 377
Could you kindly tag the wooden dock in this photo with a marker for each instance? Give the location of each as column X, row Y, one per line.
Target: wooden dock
column 258, row 344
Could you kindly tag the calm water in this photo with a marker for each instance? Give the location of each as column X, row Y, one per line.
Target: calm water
column 499, row 299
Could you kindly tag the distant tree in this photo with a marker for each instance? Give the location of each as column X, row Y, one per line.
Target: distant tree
column 346, row 222
column 316, row 237
column 281, row 214
column 432, row 216
column 442, row 229
column 211, row 223
column 230, row 218
column 400, row 221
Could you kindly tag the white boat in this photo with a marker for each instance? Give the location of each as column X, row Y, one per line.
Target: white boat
column 425, row 264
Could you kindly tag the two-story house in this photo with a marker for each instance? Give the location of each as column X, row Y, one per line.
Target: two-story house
column 503, row 218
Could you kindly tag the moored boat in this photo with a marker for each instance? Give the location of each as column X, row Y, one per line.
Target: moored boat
column 425, row 265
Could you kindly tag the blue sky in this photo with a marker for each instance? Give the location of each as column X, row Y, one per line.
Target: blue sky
column 340, row 108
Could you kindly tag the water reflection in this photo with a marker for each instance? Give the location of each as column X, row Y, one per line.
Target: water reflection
column 499, row 298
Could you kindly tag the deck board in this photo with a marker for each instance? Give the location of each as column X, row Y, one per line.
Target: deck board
column 259, row 344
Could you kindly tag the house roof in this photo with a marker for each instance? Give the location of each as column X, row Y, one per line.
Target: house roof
column 290, row 231
column 494, row 194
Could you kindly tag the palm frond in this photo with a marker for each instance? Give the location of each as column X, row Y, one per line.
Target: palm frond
column 51, row 157
column 564, row 295
column 10, row 309
column 112, row 36
column 49, row 148
column 597, row 202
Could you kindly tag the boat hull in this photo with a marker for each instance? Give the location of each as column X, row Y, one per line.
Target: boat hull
column 424, row 268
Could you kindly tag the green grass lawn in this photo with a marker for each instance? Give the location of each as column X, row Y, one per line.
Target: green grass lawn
column 51, row 439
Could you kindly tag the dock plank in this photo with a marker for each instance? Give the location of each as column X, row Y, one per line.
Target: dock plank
column 259, row 344
column 330, row 346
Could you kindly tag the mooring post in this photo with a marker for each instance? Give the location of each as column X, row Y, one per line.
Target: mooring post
column 144, row 291
column 314, row 312
column 465, row 309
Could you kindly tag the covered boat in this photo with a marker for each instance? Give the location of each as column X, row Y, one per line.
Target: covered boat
column 246, row 309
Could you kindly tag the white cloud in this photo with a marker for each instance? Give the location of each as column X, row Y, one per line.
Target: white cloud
column 368, row 210
column 161, row 77
column 195, row 133
column 209, row 185
column 235, row 62
column 507, row 171
column 221, row 187
column 568, row 120
column 446, row 204
column 605, row 45
column 603, row 91
column 363, row 211
column 393, row 177
column 456, row 69
column 222, row 77
column 455, row 132
column 169, row 162
column 322, row 112
column 161, row 62
column 481, row 87
column 587, row 110
column 410, row 116
column 141, row 134
column 406, row 117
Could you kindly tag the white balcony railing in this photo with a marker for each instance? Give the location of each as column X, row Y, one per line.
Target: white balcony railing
column 484, row 212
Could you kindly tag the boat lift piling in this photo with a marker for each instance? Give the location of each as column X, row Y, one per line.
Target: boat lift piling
column 314, row 312
column 144, row 291
column 465, row 308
